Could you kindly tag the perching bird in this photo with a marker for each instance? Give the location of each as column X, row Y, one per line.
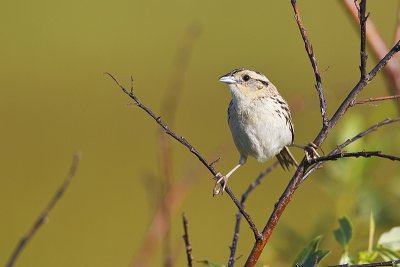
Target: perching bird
column 259, row 119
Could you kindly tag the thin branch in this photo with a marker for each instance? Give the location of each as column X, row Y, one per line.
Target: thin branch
column 364, row 133
column 384, row 60
column 178, row 138
column 351, row 140
column 377, row 264
column 375, row 99
column 313, row 60
column 378, row 47
column 43, row 217
column 238, row 216
column 364, row 154
column 363, row 54
column 188, row 247
column 277, row 212
column 193, row 150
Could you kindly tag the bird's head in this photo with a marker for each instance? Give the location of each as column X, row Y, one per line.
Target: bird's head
column 247, row 83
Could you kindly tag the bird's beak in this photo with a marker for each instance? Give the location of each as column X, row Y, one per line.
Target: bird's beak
column 227, row 79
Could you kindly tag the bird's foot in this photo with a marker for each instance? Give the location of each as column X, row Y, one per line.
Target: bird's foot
column 220, row 184
column 311, row 151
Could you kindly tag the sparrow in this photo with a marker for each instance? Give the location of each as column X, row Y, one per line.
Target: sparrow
column 259, row 119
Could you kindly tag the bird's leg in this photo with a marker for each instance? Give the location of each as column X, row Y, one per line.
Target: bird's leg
column 218, row 188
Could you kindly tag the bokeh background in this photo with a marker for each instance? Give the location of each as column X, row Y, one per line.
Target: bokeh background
column 55, row 100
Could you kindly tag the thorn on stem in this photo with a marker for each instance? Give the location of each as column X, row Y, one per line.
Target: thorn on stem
column 215, row 161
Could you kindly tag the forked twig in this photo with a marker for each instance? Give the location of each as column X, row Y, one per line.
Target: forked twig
column 340, row 147
column 45, row 213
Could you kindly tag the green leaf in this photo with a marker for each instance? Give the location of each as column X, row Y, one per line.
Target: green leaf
column 391, row 239
column 210, row 264
column 310, row 255
column 344, row 233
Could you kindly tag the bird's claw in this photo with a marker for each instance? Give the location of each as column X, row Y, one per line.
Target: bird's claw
column 219, row 188
column 311, row 151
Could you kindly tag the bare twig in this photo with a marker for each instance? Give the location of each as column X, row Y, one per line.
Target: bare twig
column 378, row 47
column 43, row 217
column 313, row 60
column 375, row 99
column 192, row 149
column 384, row 263
column 363, row 54
column 188, row 247
column 364, row 154
column 363, row 133
column 250, row 189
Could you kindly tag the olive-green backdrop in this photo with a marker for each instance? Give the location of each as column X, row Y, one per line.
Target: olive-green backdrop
column 55, row 99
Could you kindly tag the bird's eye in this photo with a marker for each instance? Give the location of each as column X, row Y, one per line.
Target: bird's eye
column 246, row 77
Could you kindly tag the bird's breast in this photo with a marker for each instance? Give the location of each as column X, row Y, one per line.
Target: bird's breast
column 257, row 129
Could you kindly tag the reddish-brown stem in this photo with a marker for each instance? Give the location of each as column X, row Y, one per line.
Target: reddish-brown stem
column 245, row 195
column 375, row 99
column 275, row 216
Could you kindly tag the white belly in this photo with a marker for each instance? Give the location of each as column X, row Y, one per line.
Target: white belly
column 258, row 130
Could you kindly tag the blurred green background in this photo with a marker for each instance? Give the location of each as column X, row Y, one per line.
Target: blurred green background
column 55, row 100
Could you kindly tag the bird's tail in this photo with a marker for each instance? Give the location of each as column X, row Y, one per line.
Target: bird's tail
column 286, row 158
